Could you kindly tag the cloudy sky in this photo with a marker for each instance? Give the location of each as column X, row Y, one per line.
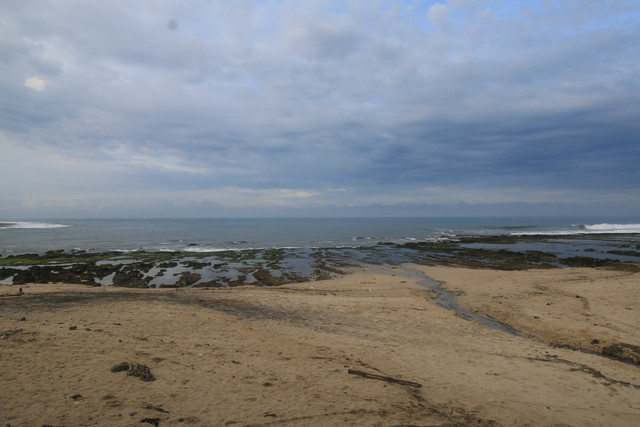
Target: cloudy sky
column 307, row 107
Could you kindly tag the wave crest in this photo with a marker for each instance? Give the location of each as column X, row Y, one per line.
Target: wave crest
column 603, row 228
column 613, row 228
column 31, row 225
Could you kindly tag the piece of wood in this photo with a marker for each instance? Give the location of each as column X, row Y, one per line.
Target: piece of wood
column 6, row 334
column 155, row 408
column 383, row 378
column 14, row 294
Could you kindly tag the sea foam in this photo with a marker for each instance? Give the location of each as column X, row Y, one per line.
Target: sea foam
column 31, row 225
column 613, row 228
column 587, row 229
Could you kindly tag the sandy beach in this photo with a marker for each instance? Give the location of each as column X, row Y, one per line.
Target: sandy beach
column 290, row 355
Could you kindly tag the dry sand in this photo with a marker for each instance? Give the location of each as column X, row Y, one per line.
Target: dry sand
column 280, row 356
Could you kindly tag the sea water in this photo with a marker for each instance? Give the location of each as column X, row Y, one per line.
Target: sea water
column 233, row 251
column 210, row 235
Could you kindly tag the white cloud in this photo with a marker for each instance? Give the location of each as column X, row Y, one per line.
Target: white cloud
column 438, row 15
column 248, row 197
column 36, row 83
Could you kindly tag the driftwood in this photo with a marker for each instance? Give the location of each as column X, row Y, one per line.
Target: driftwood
column 155, row 408
column 383, row 378
column 13, row 294
column 6, row 334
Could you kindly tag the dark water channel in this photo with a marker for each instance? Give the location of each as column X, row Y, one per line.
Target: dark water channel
column 449, row 300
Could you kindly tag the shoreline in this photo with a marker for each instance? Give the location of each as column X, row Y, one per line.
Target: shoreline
column 281, row 355
column 274, row 267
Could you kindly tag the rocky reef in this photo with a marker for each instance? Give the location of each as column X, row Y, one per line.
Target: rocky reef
column 277, row 266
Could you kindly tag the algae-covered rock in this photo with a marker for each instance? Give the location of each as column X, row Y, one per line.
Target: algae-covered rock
column 134, row 370
column 196, row 265
column 130, row 278
column 7, row 272
column 168, row 264
column 187, row 279
column 77, row 273
column 622, row 351
column 265, row 278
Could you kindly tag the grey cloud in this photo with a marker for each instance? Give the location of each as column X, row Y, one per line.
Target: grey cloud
column 317, row 95
column 322, row 39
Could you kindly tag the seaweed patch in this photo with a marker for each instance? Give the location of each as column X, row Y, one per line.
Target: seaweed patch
column 134, row 370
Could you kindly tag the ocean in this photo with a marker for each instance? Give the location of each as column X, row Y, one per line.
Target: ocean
column 231, row 252
column 209, row 235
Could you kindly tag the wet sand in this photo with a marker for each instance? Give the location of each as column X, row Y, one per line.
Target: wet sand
column 282, row 355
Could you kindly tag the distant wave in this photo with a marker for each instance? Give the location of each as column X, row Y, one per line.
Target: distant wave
column 613, row 228
column 511, row 227
column 589, row 229
column 207, row 249
column 30, row 225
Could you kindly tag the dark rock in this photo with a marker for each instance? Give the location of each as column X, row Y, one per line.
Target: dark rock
column 188, row 279
column 582, row 261
column 218, row 283
column 6, row 272
column 130, row 278
column 622, row 351
column 196, row 265
column 265, row 278
column 76, row 273
column 168, row 264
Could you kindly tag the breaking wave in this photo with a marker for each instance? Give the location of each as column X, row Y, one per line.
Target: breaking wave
column 613, row 228
column 589, row 229
column 31, row 225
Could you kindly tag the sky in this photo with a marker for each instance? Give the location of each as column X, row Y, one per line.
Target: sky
column 195, row 108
